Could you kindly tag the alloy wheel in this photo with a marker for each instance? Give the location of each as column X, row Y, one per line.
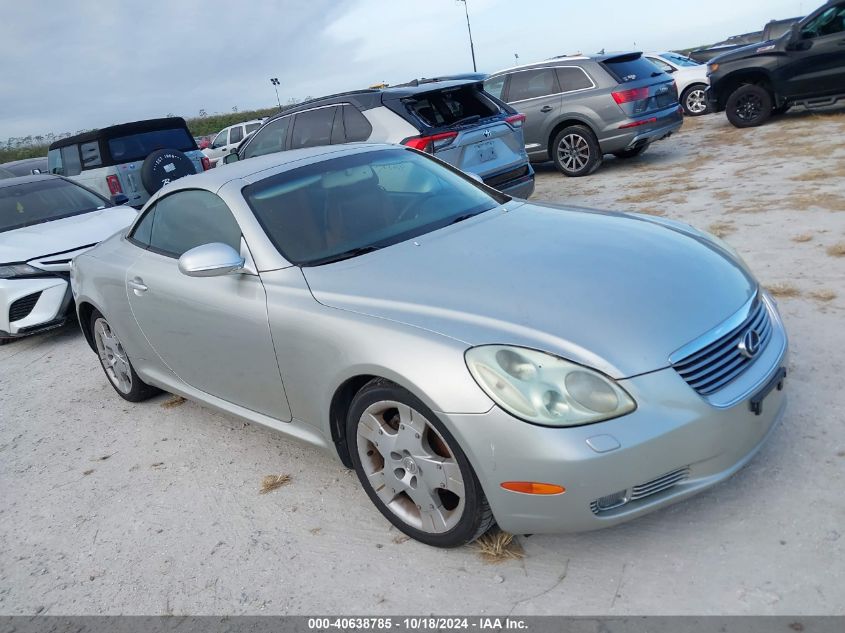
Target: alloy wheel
column 573, row 152
column 696, row 102
column 749, row 107
column 112, row 356
column 410, row 467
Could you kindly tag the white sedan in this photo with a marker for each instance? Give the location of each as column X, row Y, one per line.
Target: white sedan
column 690, row 77
column 44, row 222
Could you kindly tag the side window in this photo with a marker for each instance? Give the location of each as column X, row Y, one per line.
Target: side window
column 666, row 68
column 236, row 134
column 191, row 218
column 251, row 127
column 269, row 139
column 529, row 84
column 356, row 125
column 495, row 86
column 221, row 139
column 70, row 160
column 830, row 22
column 313, row 127
column 141, row 233
column 54, row 161
column 572, row 78
column 91, row 155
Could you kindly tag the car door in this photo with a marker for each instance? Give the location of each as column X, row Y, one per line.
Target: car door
column 218, row 145
column 270, row 138
column 212, row 332
column 816, row 66
column 536, row 94
column 313, row 127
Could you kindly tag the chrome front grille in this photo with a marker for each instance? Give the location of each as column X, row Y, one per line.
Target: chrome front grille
column 640, row 491
column 715, row 365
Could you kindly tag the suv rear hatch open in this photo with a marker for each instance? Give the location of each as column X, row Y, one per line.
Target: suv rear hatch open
column 469, row 129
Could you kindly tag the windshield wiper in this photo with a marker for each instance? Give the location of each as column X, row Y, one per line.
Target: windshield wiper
column 352, row 252
column 465, row 216
column 467, row 119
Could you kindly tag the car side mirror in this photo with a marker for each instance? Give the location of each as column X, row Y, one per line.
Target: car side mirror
column 210, row 260
column 119, row 199
column 231, row 158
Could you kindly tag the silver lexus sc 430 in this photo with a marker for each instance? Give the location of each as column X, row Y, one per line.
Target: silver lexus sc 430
column 475, row 358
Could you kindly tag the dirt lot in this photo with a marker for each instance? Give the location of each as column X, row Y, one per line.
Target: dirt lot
column 108, row 507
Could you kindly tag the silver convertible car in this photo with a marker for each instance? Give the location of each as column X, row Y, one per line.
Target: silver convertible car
column 475, row 358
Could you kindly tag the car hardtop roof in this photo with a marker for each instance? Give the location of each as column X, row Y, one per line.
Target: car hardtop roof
column 122, row 129
column 23, row 180
column 558, row 59
column 371, row 97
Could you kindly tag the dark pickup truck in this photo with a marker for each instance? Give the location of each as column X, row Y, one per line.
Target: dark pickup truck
column 805, row 66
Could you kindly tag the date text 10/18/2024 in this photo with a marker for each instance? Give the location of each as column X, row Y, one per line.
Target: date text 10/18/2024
column 416, row 623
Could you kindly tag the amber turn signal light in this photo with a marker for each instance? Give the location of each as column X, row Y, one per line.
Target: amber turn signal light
column 533, row 488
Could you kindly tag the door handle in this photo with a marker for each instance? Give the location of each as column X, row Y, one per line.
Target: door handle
column 546, row 109
column 137, row 285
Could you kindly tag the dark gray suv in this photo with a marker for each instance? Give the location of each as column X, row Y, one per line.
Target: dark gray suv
column 579, row 108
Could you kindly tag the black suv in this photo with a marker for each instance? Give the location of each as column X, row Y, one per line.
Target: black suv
column 805, row 66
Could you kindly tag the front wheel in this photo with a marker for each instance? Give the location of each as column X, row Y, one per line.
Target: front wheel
column 116, row 364
column 694, row 100
column 749, row 105
column 576, row 151
column 413, row 469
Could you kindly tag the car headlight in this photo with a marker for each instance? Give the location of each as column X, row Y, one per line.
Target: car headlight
column 544, row 389
column 8, row 271
column 712, row 68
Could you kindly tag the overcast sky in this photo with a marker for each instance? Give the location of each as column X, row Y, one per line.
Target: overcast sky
column 70, row 66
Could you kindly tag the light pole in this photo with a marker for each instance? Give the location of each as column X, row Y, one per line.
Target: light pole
column 469, row 30
column 275, row 82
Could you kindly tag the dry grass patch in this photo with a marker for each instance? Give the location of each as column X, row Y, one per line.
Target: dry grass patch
column 174, row 401
column 803, row 200
column 784, row 290
column 272, row 482
column 721, row 194
column 803, row 237
column 836, row 250
column 721, row 229
column 497, row 547
column 823, row 294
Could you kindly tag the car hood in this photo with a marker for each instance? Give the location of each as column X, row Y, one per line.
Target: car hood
column 743, row 52
column 617, row 292
column 66, row 234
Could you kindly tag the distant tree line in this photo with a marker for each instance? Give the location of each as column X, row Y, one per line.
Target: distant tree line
column 34, row 146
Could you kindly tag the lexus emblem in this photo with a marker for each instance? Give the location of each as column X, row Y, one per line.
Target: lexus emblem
column 750, row 344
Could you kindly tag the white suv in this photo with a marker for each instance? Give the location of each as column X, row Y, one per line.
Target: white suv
column 228, row 139
column 129, row 162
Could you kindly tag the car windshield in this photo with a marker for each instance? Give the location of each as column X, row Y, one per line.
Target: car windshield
column 42, row 201
column 139, row 146
column 679, row 60
column 343, row 207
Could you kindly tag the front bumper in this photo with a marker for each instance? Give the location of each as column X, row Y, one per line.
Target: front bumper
column 713, row 100
column 42, row 312
column 674, row 436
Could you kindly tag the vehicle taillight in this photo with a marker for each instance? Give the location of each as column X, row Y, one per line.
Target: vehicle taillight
column 431, row 143
column 516, row 120
column 206, row 164
column 634, row 94
column 114, row 185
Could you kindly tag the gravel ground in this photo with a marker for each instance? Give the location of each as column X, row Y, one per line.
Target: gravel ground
column 108, row 507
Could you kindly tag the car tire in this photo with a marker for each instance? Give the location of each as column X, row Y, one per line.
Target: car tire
column 694, row 100
column 632, row 153
column 749, row 105
column 163, row 166
column 576, row 152
column 418, row 463
column 116, row 364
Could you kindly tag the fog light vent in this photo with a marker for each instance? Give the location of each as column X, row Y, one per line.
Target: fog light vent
column 608, row 502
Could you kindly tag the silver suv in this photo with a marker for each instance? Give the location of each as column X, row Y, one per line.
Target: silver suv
column 453, row 119
column 579, row 108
